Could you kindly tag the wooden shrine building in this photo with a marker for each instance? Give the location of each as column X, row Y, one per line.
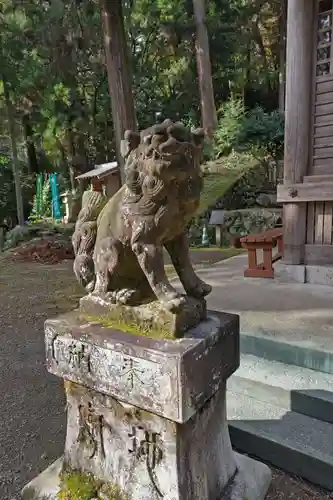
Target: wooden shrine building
column 307, row 189
column 104, row 177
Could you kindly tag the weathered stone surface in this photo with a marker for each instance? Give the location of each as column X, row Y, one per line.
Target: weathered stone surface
column 287, row 273
column 84, row 237
column 267, row 200
column 173, row 379
column 251, row 482
column 147, row 455
column 149, row 415
column 151, row 316
column 46, row 486
column 150, row 212
column 319, row 275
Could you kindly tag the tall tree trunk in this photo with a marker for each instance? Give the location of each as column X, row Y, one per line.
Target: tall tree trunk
column 257, row 36
column 119, row 72
column 208, row 109
column 282, row 53
column 30, row 145
column 15, row 161
column 70, row 159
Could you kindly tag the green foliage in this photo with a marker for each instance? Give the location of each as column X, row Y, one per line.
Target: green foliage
column 126, row 320
column 7, row 189
column 231, row 118
column 256, row 131
column 52, row 58
column 77, row 485
column 239, row 223
column 45, row 202
column 263, row 133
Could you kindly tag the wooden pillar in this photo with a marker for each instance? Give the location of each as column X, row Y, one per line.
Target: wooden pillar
column 208, row 108
column 298, row 121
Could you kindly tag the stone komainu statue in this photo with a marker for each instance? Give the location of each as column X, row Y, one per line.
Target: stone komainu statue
column 119, row 256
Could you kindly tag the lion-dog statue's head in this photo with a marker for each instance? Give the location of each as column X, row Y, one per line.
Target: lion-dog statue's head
column 164, row 160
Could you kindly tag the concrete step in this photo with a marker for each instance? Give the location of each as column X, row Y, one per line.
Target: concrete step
column 299, row 352
column 291, row 441
column 290, row 387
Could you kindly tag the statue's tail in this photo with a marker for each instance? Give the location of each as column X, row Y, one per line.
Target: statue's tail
column 84, row 271
column 84, row 238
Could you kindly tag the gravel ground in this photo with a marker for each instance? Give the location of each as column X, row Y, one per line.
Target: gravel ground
column 32, row 415
column 286, row 487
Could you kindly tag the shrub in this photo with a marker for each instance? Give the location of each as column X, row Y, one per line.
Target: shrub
column 226, row 138
column 262, row 133
column 257, row 132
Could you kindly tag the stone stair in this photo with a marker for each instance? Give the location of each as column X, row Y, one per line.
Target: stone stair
column 283, row 414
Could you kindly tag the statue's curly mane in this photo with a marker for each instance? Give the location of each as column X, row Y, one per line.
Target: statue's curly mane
column 162, row 159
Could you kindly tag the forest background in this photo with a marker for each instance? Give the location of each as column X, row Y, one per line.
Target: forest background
column 55, row 102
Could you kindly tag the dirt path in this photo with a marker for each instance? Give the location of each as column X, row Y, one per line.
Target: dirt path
column 32, row 414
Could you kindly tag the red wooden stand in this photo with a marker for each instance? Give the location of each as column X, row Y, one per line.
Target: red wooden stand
column 264, row 241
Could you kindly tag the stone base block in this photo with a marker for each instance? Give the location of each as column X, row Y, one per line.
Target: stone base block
column 251, row 482
column 170, row 378
column 287, row 273
column 151, row 316
column 147, row 416
column 314, row 275
column 319, row 275
column 148, row 456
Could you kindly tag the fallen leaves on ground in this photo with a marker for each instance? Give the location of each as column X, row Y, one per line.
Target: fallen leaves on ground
column 49, row 250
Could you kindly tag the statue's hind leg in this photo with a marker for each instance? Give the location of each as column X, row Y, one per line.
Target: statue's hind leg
column 111, row 281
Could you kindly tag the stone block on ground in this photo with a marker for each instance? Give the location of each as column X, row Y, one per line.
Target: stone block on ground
column 287, row 273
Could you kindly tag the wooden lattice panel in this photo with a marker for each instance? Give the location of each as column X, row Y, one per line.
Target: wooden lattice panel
column 322, row 151
column 320, row 223
column 324, row 53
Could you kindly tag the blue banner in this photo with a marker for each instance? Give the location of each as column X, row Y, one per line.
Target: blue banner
column 56, row 212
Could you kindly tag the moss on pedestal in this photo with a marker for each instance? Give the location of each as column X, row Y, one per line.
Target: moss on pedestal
column 124, row 321
column 77, row 485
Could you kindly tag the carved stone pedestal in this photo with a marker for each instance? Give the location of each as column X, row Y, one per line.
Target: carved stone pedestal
column 149, row 415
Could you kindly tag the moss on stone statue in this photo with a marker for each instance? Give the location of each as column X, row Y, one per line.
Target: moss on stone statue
column 77, row 485
column 126, row 321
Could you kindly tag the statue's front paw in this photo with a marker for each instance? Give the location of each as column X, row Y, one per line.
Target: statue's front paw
column 199, row 289
column 127, row 296
column 175, row 304
column 90, row 286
